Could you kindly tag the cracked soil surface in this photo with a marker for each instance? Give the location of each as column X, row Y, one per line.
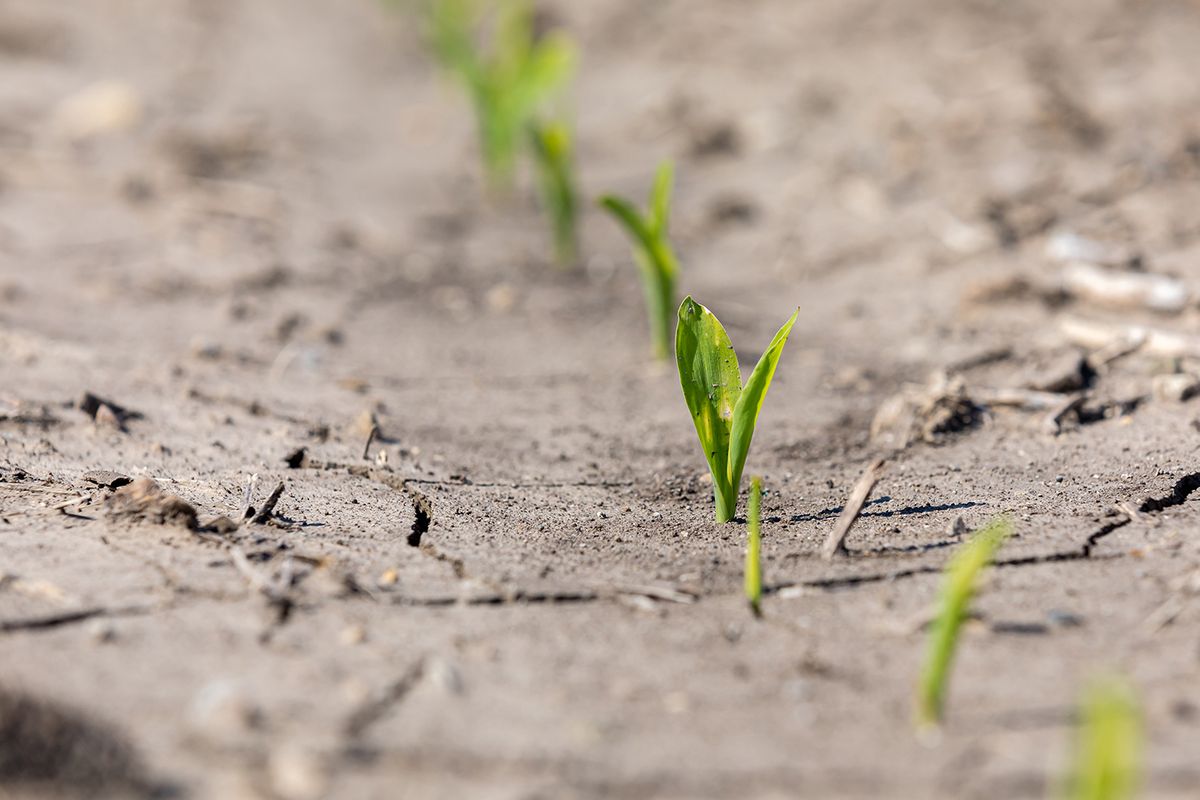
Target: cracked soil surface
column 519, row 591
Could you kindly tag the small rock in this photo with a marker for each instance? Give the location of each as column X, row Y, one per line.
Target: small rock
column 355, row 634
column 501, row 298
column 107, row 417
column 1176, row 387
column 102, row 631
column 94, row 405
column 297, row 774
column 445, row 676
column 222, row 713
column 103, row 108
column 1067, row 246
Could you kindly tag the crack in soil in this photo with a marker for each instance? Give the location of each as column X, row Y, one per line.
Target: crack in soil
column 59, row 619
column 1118, row 518
column 374, row 710
column 1178, row 496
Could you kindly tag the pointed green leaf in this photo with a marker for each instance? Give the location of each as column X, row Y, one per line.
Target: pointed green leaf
column 629, row 218
column 745, row 413
column 551, row 145
column 660, row 198
column 1108, row 745
column 958, row 589
column 657, row 262
column 753, row 571
column 712, row 384
column 548, row 65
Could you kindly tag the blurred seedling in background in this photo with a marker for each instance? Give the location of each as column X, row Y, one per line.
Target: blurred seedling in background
column 510, row 77
column 653, row 253
column 959, row 583
column 723, row 411
column 552, row 150
column 754, row 589
column 1108, row 745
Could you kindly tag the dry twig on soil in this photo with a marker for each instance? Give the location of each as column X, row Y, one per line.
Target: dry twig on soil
column 835, row 544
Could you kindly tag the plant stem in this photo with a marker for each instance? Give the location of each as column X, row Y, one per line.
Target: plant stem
column 726, row 500
column 753, row 571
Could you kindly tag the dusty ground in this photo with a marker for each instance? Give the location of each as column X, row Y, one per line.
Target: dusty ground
column 292, row 238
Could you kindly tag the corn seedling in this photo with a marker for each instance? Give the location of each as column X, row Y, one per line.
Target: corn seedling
column 552, row 150
column 723, row 411
column 754, row 587
column 958, row 588
column 509, row 81
column 1109, row 744
column 653, row 253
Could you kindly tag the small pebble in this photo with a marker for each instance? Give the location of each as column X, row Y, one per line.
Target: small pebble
column 297, row 774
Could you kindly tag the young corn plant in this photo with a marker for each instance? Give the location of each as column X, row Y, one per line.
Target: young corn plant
column 723, row 411
column 1109, row 744
column 508, row 81
column 552, row 150
column 653, row 253
column 958, row 589
column 754, row 588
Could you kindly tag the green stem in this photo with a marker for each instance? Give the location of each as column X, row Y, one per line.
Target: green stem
column 726, row 501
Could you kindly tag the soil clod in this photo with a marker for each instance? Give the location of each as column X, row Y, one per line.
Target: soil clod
column 107, row 479
column 145, row 500
column 106, row 412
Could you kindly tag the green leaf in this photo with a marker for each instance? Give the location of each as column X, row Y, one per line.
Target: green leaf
column 712, row 385
column 450, row 24
column 624, row 212
column 551, row 144
column 660, row 199
column 749, row 404
column 958, row 589
column 653, row 253
column 548, row 66
column 1109, row 744
column 753, row 571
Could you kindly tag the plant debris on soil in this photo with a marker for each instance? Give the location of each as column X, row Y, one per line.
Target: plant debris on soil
column 318, row 479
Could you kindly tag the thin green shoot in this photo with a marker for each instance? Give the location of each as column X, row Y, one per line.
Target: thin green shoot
column 508, row 80
column 653, row 253
column 553, row 149
column 1109, row 744
column 958, row 589
column 754, row 586
column 724, row 412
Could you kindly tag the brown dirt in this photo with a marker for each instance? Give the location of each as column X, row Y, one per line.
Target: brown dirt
column 293, row 239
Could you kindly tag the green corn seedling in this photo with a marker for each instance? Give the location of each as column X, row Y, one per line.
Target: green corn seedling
column 754, row 588
column 653, row 252
column 1109, row 744
column 958, row 589
column 723, row 411
column 509, row 81
column 552, row 149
